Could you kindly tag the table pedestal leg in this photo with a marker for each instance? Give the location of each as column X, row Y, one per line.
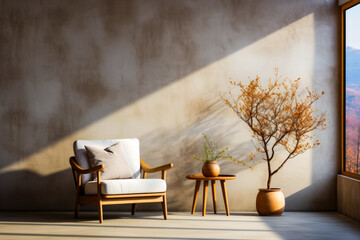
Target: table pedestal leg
column 206, row 183
column 223, row 187
column 196, row 193
column 214, row 194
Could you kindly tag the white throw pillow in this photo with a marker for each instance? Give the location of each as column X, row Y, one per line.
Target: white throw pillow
column 113, row 158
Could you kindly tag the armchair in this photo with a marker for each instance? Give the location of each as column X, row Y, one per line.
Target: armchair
column 116, row 191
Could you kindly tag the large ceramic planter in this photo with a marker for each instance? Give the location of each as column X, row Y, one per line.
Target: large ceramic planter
column 211, row 169
column 270, row 202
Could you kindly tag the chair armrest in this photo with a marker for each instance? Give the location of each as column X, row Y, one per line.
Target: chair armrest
column 81, row 170
column 149, row 169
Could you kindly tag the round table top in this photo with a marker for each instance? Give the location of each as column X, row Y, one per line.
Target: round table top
column 202, row 177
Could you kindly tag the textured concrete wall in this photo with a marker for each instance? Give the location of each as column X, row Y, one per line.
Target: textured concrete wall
column 153, row 70
column 348, row 195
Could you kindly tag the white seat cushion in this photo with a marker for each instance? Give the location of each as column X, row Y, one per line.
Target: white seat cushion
column 126, row 186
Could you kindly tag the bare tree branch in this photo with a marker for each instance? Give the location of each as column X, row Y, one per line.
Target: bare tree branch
column 278, row 116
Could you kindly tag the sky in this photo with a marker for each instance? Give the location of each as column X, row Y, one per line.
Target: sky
column 352, row 21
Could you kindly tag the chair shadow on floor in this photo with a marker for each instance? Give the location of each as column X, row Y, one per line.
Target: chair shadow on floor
column 68, row 217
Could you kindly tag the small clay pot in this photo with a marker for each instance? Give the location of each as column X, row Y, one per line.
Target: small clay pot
column 211, row 169
column 270, row 202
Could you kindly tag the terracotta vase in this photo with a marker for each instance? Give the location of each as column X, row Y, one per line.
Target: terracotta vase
column 270, row 202
column 211, row 169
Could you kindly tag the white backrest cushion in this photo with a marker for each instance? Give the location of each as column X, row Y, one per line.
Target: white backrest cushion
column 131, row 147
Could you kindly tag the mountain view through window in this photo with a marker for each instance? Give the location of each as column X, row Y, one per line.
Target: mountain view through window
column 352, row 89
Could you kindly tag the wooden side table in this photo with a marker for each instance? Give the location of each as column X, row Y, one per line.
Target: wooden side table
column 206, row 180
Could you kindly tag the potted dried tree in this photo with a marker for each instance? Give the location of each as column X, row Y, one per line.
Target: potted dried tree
column 280, row 119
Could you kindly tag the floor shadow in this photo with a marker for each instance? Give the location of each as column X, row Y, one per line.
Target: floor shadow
column 323, row 225
column 132, row 227
column 66, row 218
column 96, row 236
column 63, row 218
column 245, row 214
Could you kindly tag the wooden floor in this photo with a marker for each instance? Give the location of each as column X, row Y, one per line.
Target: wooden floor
column 292, row 225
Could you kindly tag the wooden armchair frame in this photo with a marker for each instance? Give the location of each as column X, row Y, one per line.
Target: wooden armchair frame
column 99, row 199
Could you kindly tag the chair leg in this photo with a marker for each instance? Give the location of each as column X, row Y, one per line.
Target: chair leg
column 164, row 207
column 77, row 206
column 133, row 209
column 100, row 210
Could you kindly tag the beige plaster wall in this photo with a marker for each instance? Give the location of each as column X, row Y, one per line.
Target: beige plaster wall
column 153, row 70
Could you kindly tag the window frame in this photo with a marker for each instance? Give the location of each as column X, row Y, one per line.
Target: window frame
column 344, row 7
